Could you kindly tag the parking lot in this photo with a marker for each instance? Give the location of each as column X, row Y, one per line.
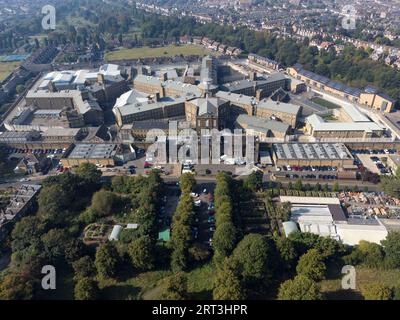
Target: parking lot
column 203, row 198
column 373, row 160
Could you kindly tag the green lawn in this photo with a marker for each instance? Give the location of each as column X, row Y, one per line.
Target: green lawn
column 332, row 287
column 6, row 68
column 147, row 52
column 325, row 103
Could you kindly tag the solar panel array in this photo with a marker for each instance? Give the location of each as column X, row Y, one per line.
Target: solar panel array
column 312, row 151
column 93, row 151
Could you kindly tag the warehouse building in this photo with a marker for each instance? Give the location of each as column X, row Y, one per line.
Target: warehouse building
column 99, row 154
column 326, row 217
column 319, row 128
column 312, row 154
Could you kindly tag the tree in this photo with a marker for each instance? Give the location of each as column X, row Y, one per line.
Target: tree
column 287, row 252
column 86, row 289
column 372, row 254
column 298, row 185
column 54, row 242
column 224, row 239
column 102, row 202
column 227, row 283
column 312, row 265
column 377, row 291
column 106, row 261
column 391, row 247
column 15, row 286
column 84, row 267
column 300, row 288
column 89, row 173
column 254, row 181
column 175, row 287
column 199, row 252
column 141, row 252
column 187, row 182
column 20, row 88
column 254, row 256
column 336, row 187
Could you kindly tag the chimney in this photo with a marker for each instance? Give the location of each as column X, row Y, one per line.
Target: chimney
column 253, row 76
column 157, row 96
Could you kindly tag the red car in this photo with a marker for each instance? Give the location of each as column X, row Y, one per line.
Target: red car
column 147, row 165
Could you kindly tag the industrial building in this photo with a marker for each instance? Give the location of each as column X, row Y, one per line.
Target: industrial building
column 326, row 217
column 312, row 154
column 99, row 154
column 319, row 128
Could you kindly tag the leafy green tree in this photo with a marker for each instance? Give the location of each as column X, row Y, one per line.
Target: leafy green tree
column 312, row 265
column 84, row 267
column 298, row 185
column 255, row 257
column 287, row 252
column 199, row 252
column 86, row 289
column 224, row 239
column 254, row 181
column 20, row 88
column 228, row 284
column 372, row 254
column 175, row 288
column 90, row 174
column 377, row 291
column 54, row 242
column 107, row 260
column 392, row 249
column 300, row 288
column 15, row 286
column 102, row 203
column 187, row 182
column 141, row 252
column 336, row 187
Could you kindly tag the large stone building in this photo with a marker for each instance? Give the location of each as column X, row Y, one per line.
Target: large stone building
column 370, row 97
column 275, row 110
column 207, row 113
column 262, row 128
column 260, row 88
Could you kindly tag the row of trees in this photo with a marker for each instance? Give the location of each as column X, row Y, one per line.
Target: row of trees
column 183, row 219
column 226, row 234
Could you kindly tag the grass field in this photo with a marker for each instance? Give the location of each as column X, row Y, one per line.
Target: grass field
column 332, row 287
column 147, row 52
column 325, row 103
column 6, row 68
